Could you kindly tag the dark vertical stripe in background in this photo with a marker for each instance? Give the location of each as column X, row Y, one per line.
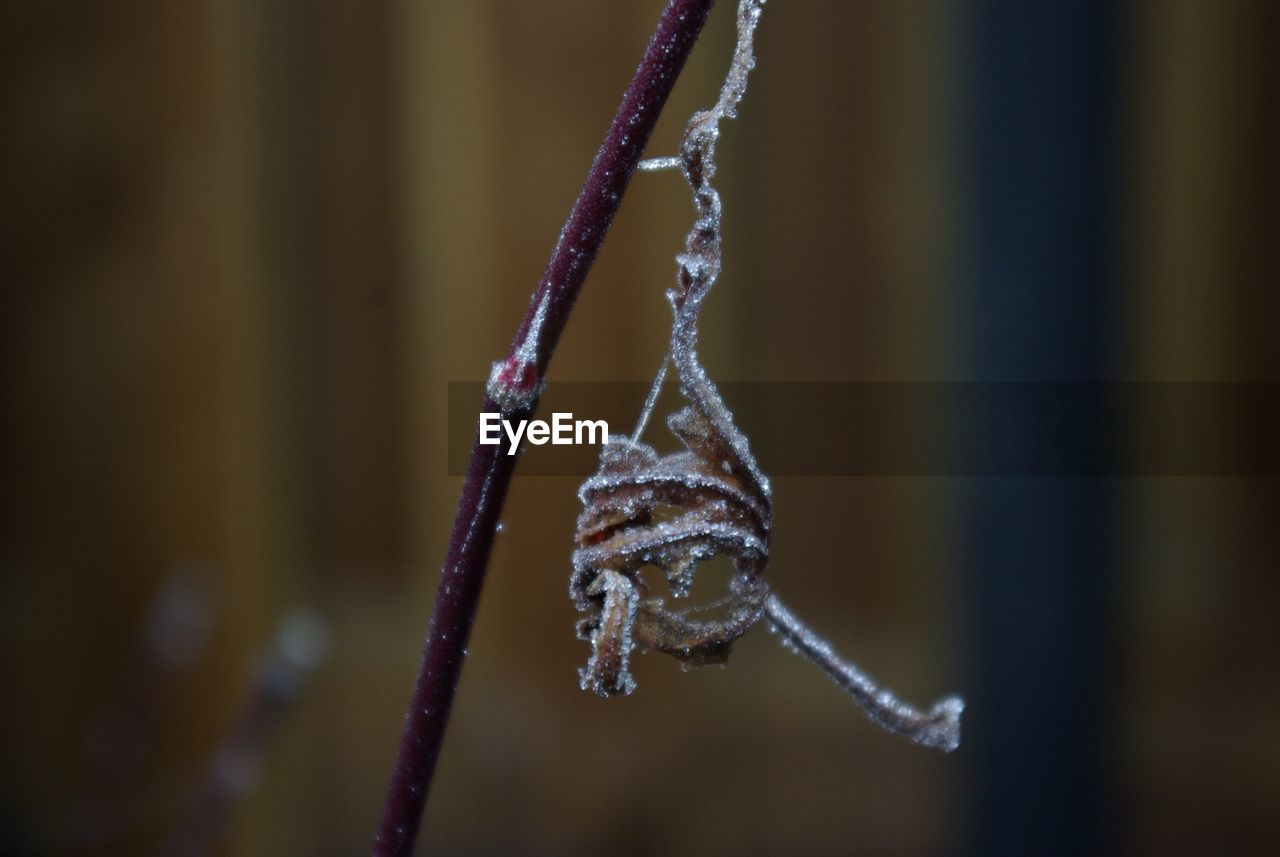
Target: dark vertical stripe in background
column 1036, row 292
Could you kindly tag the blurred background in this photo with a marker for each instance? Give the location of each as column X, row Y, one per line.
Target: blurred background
column 248, row 246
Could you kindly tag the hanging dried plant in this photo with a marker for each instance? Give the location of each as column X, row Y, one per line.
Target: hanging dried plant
column 675, row 511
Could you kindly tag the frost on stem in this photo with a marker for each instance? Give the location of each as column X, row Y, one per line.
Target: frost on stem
column 722, row 500
column 939, row 727
column 514, row 383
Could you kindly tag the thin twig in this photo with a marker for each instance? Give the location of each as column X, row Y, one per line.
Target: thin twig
column 302, row 644
column 939, row 727
column 514, row 387
column 114, row 800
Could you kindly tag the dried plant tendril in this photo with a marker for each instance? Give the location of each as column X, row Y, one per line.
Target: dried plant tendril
column 722, row 500
column 939, row 727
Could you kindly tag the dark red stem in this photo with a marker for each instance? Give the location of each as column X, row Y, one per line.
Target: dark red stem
column 515, row 384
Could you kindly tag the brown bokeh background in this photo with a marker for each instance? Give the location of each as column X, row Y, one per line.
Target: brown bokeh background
column 249, row 245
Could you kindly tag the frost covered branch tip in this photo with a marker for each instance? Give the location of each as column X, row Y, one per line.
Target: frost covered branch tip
column 939, row 727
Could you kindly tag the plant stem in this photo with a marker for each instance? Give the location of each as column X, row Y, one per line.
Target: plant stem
column 939, row 727
column 513, row 389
